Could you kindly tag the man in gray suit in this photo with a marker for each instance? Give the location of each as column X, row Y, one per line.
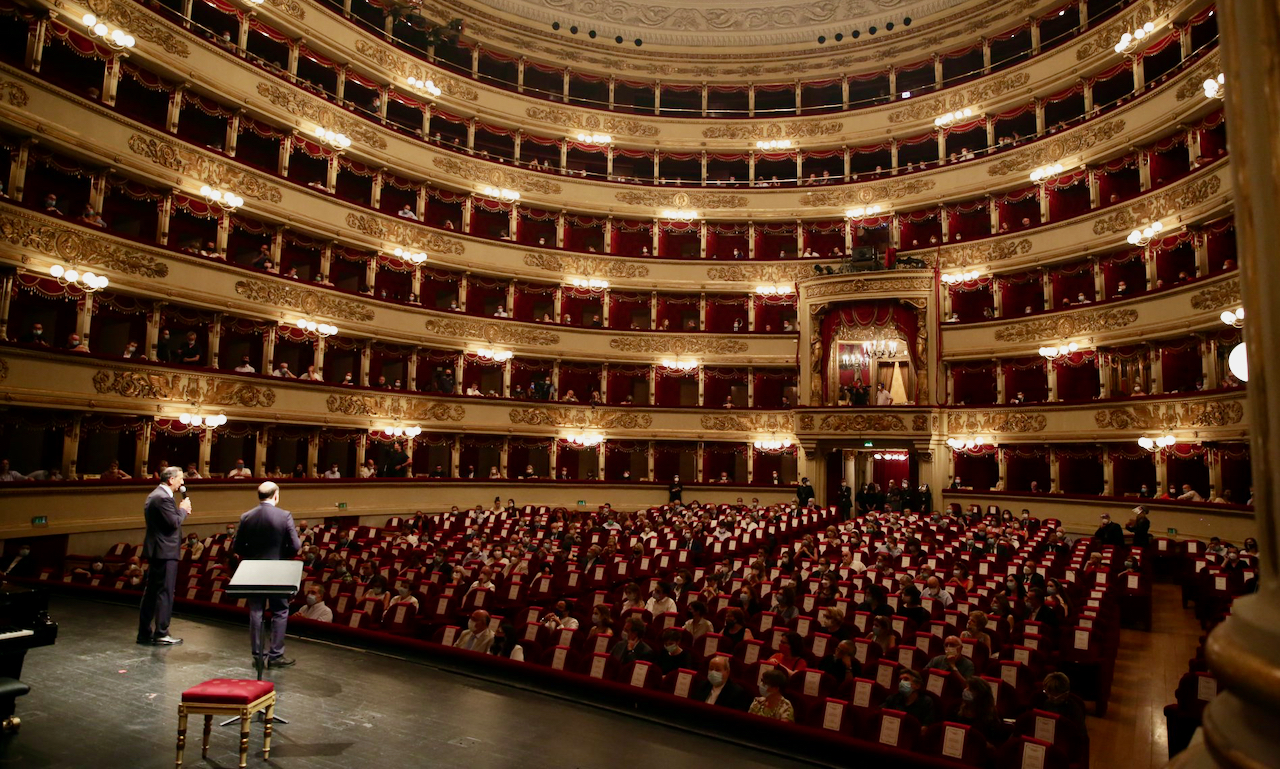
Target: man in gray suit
column 161, row 548
column 267, row 533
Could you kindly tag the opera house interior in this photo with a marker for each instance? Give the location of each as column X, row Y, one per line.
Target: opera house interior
column 783, row 383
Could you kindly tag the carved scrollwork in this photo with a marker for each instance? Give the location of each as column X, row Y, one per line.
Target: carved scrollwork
column 304, row 300
column 659, row 199
column 584, row 121
column 291, row 8
column 1181, row 414
column 865, row 285
column 581, row 418
column 1224, row 294
column 143, row 26
column 313, row 109
column 748, row 423
column 919, row 423
column 204, row 390
column 586, row 265
column 405, row 67
column 1072, row 142
column 494, row 333
column 396, row 231
column 1153, row 207
column 868, row 193
column 757, row 273
column 761, row 131
column 660, row 346
column 496, row 175
column 396, row 407
column 56, row 239
column 968, row 97
column 202, row 168
column 1193, row 88
column 14, row 93
column 984, row 252
column 1070, row 324
column 4, row 369
column 995, row 422
column 853, row 423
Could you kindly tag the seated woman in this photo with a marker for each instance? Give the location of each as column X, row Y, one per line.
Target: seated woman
column 976, row 628
column 882, row 633
column 790, row 654
column 506, row 643
column 771, row 703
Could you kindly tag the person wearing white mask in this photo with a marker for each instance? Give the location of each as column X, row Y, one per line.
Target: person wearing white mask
column 477, row 637
column 315, row 608
column 719, row 689
column 771, row 703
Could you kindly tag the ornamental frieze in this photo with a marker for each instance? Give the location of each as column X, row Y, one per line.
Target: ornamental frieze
column 1088, row 322
column 78, row 248
column 14, row 93
column 1043, row 153
column 919, row 423
column 922, row 109
column 659, row 199
column 202, row 390
column 417, row 409
column 995, row 422
column 598, row 419
column 290, row 8
column 488, row 331
column 757, row 273
column 865, row 285
column 305, row 300
column 745, row 423
column 853, row 423
column 1102, row 39
column 142, row 26
column 1193, row 88
column 407, row 235
column 1224, row 294
column 4, row 369
column 215, row 173
column 495, row 175
column 1181, row 414
column 310, row 108
column 584, row 121
column 995, row 250
column 758, row 131
column 586, row 265
column 406, row 68
column 1172, row 200
column 661, row 346
column 868, row 193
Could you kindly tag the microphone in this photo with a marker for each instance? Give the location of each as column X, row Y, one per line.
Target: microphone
column 183, row 489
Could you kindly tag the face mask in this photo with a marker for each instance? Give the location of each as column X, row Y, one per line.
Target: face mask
column 1053, row 590
column 955, row 573
column 37, row 332
column 402, row 590
column 135, row 580
column 904, row 688
column 1232, row 557
column 1027, row 571
column 967, row 696
column 311, row 600
column 1011, row 585
column 24, row 552
column 672, row 648
column 764, row 689
column 715, row 678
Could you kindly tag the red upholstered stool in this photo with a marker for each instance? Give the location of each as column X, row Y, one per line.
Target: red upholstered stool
column 228, row 697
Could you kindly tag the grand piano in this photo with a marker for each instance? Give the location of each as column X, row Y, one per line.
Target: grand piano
column 24, row 624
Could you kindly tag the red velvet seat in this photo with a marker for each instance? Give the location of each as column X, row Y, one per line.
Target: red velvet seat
column 228, row 691
column 228, row 696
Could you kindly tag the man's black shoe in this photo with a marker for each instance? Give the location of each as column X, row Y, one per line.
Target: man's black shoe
column 166, row 640
column 280, row 662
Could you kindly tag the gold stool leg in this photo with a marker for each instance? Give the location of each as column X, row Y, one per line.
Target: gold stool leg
column 204, row 746
column 245, row 718
column 182, row 733
column 266, row 731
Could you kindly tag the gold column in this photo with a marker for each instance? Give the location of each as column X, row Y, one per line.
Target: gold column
column 262, row 439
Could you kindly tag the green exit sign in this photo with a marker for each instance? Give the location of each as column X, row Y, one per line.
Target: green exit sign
column 582, row 502
column 868, row 444
column 342, row 505
column 40, row 521
column 1172, row 531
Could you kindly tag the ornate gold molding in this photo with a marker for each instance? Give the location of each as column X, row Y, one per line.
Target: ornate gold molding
column 661, row 345
column 995, row 422
column 291, row 8
column 581, row 418
column 1070, row 324
column 755, row 273
column 659, row 199
column 1165, row 203
column 1073, row 142
column 311, row 108
column 495, row 175
column 868, row 193
column 141, row 25
column 1216, row 297
column 204, row 390
column 4, row 369
column 853, row 423
column 79, row 248
column 14, row 93
column 994, row 250
column 391, row 406
column 756, row 131
column 586, row 265
column 1180, row 414
column 215, row 173
column 967, row 97
column 748, row 423
column 865, row 285
column 584, row 121
column 406, row 67
column 488, row 331
column 304, row 300
column 396, row 231
column 1102, row 39
column 1193, row 88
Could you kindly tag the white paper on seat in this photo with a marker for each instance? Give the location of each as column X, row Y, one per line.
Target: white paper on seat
column 683, row 680
column 1009, row 674
column 889, row 727
column 566, row 637
column 905, row 657
column 982, row 568
column 665, row 560
column 936, row 630
column 1206, row 688
column 862, row 694
column 530, row 632
column 1086, row 622
column 638, row 674
column 450, row 635
column 1031, row 643
column 400, row 612
column 751, row 654
column 898, row 626
column 819, row 645
column 602, row 643
column 923, row 644
column 1133, row 581
column 1046, row 728
column 811, row 680
column 557, row 659
column 597, row 667
column 953, row 742
column 935, row 685
column 573, row 579
column 442, row 606
column 860, row 652
column 1082, row 639
column 884, row 676
column 1021, row 655
column 860, row 622
column 1219, row 583
column 1100, row 577
column 966, row 650
column 1200, row 565
column 802, row 626
column 711, row 646
column 995, row 690
column 766, row 622
column 1032, row 756
column 833, row 715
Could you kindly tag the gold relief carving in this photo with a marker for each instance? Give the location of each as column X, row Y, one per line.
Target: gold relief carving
column 495, row 175
column 1071, row 324
column 404, row 234
column 919, row 423
column 757, row 273
column 853, row 423
column 983, row 252
column 290, row 7
column 1181, row 414
column 1217, row 297
column 141, row 25
column 694, row 346
column 1193, row 88
column 406, row 68
column 680, row 199
column 585, row 265
column 215, row 173
column 772, row 423
column 995, row 422
column 589, row 122
column 773, row 131
column 203, row 390
column 303, row 300
column 494, row 333
column 597, row 419
column 394, row 407
column 14, row 93
column 1161, row 204
column 4, row 369
column 865, row 285
column 1043, row 153
column 1102, row 39
column 311, row 108
column 80, row 249
column 968, row 97
column 870, row 193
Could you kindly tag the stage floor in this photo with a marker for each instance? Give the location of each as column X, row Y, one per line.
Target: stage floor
column 100, row 700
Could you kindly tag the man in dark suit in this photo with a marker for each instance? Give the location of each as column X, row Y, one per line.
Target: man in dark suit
column 804, row 493
column 267, row 533
column 718, row 689
column 1109, row 532
column 844, row 500
column 1140, row 526
column 161, row 548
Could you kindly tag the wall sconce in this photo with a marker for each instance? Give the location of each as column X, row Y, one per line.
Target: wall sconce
column 318, row 329
column 86, row 281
